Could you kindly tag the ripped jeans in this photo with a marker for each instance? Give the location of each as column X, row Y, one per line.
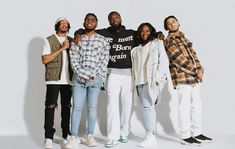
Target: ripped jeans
column 52, row 94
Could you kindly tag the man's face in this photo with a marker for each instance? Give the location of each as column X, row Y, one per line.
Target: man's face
column 115, row 20
column 145, row 33
column 172, row 24
column 90, row 23
column 63, row 26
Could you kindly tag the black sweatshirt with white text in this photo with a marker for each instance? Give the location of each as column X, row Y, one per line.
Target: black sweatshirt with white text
column 121, row 42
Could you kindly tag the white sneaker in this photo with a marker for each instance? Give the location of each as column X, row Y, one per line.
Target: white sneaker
column 48, row 144
column 90, row 142
column 149, row 141
column 63, row 142
column 111, row 143
column 72, row 143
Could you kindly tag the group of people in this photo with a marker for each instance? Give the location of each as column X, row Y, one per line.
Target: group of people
column 128, row 62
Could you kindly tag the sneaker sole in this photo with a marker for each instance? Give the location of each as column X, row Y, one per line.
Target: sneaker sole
column 186, row 143
column 203, row 141
column 110, row 146
column 123, row 141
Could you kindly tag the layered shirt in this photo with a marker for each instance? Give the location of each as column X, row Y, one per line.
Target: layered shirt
column 184, row 63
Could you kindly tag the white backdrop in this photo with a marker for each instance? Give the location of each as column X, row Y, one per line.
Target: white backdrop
column 209, row 24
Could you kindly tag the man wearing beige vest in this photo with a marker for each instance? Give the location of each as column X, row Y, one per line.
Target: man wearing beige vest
column 58, row 74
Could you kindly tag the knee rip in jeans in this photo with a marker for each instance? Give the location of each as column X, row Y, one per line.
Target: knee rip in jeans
column 51, row 106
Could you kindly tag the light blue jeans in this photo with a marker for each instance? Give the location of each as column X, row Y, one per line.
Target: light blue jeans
column 82, row 92
column 147, row 106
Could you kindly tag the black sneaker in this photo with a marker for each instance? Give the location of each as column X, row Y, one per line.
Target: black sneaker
column 203, row 138
column 190, row 141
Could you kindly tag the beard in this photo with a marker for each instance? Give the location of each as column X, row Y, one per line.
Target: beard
column 115, row 28
column 89, row 29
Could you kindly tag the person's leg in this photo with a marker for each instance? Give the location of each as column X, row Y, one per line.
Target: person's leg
column 149, row 114
column 196, row 111
column 113, row 118
column 126, row 100
column 147, row 107
column 79, row 96
column 50, row 105
column 66, row 94
column 196, row 116
column 93, row 91
column 184, row 107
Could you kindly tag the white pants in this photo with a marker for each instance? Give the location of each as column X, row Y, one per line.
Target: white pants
column 189, row 110
column 118, row 86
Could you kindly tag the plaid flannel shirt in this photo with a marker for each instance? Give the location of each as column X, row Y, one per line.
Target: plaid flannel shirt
column 90, row 57
column 184, row 64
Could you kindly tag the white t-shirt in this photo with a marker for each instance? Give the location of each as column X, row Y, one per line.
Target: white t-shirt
column 140, row 56
column 64, row 79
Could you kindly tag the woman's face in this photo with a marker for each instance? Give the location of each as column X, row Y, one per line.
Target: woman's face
column 145, row 33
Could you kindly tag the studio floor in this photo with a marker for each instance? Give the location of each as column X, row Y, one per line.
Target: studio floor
column 164, row 142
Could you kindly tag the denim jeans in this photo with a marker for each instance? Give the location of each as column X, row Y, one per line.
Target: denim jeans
column 147, row 106
column 85, row 92
column 53, row 90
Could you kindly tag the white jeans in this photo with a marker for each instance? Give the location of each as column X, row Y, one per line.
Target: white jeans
column 118, row 86
column 189, row 110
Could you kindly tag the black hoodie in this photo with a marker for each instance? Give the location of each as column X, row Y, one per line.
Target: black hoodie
column 121, row 42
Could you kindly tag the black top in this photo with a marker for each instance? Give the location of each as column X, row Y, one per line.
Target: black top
column 121, row 43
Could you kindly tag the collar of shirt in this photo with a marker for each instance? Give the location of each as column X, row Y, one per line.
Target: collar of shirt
column 178, row 34
column 91, row 37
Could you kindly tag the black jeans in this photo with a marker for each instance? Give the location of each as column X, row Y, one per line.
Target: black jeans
column 50, row 105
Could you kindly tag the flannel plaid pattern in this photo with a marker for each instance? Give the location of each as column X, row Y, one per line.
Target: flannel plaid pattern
column 90, row 57
column 184, row 63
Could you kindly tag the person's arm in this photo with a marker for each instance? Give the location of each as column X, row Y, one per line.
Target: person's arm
column 75, row 58
column 200, row 69
column 164, row 62
column 49, row 57
column 133, row 64
column 105, row 57
column 175, row 55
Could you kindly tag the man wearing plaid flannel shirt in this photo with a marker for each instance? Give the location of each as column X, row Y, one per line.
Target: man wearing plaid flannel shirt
column 186, row 73
column 89, row 60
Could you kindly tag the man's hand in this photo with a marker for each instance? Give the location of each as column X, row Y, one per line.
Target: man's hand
column 160, row 35
column 65, row 44
column 199, row 76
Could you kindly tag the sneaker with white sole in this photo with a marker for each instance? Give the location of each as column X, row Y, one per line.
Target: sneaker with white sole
column 149, row 141
column 111, row 143
column 190, row 141
column 48, row 144
column 72, row 143
column 64, row 141
column 123, row 139
column 203, row 139
column 91, row 142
